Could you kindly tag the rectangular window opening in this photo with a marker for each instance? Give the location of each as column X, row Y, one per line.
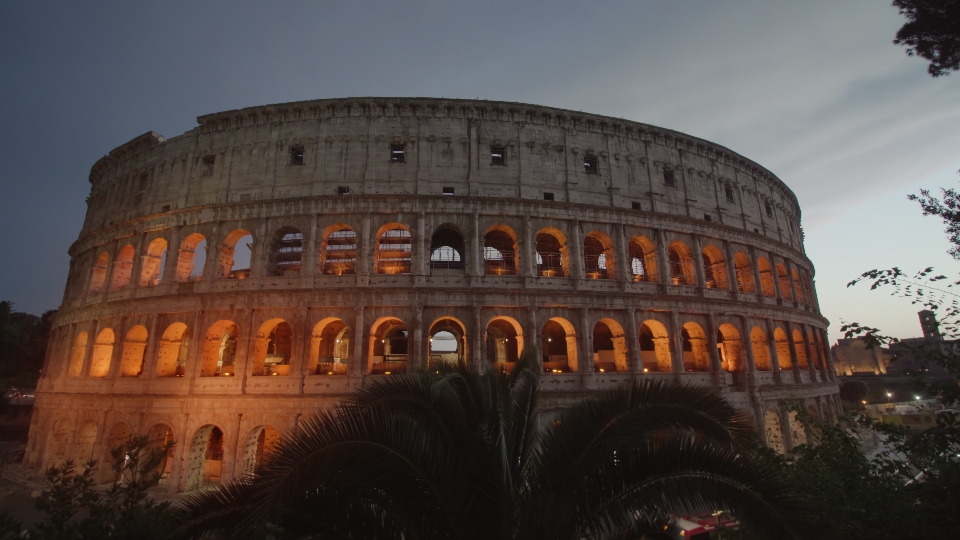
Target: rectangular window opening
column 448, row 191
column 206, row 168
column 498, row 155
column 636, row 206
column 729, row 192
column 397, row 153
column 591, row 165
column 343, row 190
column 547, row 196
column 707, row 217
column 766, row 206
column 296, row 155
column 165, row 208
column 669, row 179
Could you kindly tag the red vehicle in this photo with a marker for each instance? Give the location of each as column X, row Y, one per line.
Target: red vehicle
column 700, row 527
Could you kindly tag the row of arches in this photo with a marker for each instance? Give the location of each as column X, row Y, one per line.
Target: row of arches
column 331, row 348
column 393, row 254
column 203, row 459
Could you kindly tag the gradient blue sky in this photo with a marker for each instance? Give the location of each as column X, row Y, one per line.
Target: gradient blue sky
column 814, row 90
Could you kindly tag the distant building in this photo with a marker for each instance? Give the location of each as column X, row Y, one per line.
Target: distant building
column 852, row 357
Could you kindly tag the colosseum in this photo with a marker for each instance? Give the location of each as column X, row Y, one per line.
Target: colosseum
column 251, row 271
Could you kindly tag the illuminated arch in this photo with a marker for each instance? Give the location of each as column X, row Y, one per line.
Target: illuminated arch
column 116, row 441
column 339, row 250
column 681, row 264
column 559, row 345
column 330, row 347
column 77, row 354
column 609, row 346
column 741, row 264
column 236, row 250
column 598, row 256
column 655, row 346
column 102, row 353
column 286, row 252
column 643, row 259
column 731, row 348
column 393, row 255
column 798, row 289
column 714, row 268
column 695, row 355
column 447, row 340
column 193, row 249
column 774, row 429
column 504, row 340
column 766, row 277
column 122, row 268
column 172, row 351
column 784, row 279
column 131, row 357
column 273, row 348
column 205, row 458
column 153, row 261
column 761, row 349
column 389, row 346
column 260, row 442
column 783, row 348
column 500, row 251
column 99, row 272
column 552, row 260
column 447, row 249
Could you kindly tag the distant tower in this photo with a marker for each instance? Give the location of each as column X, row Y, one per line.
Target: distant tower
column 929, row 324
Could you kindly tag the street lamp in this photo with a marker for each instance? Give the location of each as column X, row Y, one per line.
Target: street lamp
column 889, row 395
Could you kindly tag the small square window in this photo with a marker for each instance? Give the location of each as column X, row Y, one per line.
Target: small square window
column 707, row 217
column 397, row 153
column 498, row 155
column 448, row 191
column 206, row 168
column 756, row 231
column 547, row 196
column 766, row 206
column 729, row 192
column 591, row 165
column 636, row 206
column 343, row 190
column 165, row 208
column 669, row 179
column 296, row 155
column 144, row 182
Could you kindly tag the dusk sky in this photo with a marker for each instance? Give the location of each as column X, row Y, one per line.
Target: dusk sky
column 815, row 91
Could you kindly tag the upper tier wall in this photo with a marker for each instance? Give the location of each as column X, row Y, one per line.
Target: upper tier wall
column 447, row 143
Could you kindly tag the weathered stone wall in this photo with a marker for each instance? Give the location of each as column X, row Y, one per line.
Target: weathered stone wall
column 650, row 280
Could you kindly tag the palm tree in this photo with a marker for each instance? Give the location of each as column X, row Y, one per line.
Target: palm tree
column 455, row 454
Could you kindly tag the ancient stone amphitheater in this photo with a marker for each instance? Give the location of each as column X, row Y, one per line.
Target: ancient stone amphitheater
column 235, row 278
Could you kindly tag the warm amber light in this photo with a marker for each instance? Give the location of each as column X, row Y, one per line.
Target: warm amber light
column 601, row 370
column 329, row 373
column 386, row 372
column 645, row 370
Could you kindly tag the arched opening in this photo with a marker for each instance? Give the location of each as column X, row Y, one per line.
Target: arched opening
column 504, row 342
column 160, row 436
column 77, row 353
column 609, row 346
column 643, row 259
column 796, row 286
column 102, row 353
column 330, row 347
column 446, row 250
column 273, row 348
column 655, row 347
column 714, row 268
column 774, row 431
column 798, row 430
column 731, row 349
column 388, row 346
column 99, row 273
column 500, row 252
column 153, row 261
column 340, row 252
column 172, row 353
column 205, row 458
column 559, row 345
column 598, row 258
column 784, row 282
column 286, row 252
column 114, row 449
column 761, row 350
column 766, row 277
column 260, row 442
column 131, row 357
column 447, row 338
column 741, row 263
column 235, row 254
column 192, row 258
column 695, row 356
column 86, row 437
column 550, row 251
column 783, row 348
column 817, row 356
column 681, row 264
column 393, row 250
column 122, row 268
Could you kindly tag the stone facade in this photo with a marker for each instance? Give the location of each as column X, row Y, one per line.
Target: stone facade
column 374, row 225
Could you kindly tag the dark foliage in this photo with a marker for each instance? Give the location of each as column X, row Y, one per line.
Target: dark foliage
column 460, row 455
column 23, row 345
column 853, row 391
column 932, row 31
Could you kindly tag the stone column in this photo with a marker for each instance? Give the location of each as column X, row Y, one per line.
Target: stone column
column 532, row 337
column 476, row 265
column 813, row 362
column 716, row 366
column 195, row 354
column 747, row 345
column 311, row 246
column 117, row 355
column 528, row 257
column 730, row 257
column 477, row 343
column 417, row 357
column 149, row 370
column 235, row 463
column 831, row 370
column 211, row 266
column 359, row 365
column 621, row 247
column 774, row 355
column 633, row 337
column 586, row 343
column 698, row 261
column 785, row 431
column 300, row 350
column 575, row 252
column 367, row 245
column 676, row 331
column 663, row 258
column 88, row 354
column 173, row 257
column 776, row 279
column 258, row 255
column 756, row 274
